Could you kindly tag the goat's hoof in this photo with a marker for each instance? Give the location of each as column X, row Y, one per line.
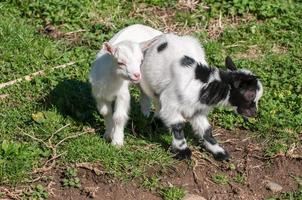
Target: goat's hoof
column 222, row 156
column 183, row 154
column 107, row 137
column 146, row 113
column 117, row 144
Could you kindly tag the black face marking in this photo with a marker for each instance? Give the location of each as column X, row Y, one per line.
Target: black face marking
column 187, row 61
column 177, row 131
column 243, row 92
column 225, row 76
column 215, row 92
column 203, row 73
column 209, row 137
column 162, row 46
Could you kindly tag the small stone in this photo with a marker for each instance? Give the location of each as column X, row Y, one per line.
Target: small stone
column 193, row 197
column 274, row 187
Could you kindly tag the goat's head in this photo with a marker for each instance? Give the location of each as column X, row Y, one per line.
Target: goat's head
column 246, row 90
column 128, row 56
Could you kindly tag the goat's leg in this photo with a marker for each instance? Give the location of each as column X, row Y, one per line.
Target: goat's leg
column 176, row 122
column 156, row 120
column 145, row 103
column 203, row 130
column 105, row 109
column 120, row 117
column 179, row 143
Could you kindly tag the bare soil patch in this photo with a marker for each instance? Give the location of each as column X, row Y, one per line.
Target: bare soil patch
column 253, row 52
column 247, row 161
column 99, row 187
column 247, row 157
column 74, row 37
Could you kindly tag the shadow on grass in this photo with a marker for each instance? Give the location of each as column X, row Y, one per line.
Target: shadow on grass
column 72, row 98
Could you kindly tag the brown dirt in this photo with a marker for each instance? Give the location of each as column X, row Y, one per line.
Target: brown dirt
column 99, row 187
column 54, row 32
column 253, row 52
column 197, row 176
column 278, row 49
column 247, row 156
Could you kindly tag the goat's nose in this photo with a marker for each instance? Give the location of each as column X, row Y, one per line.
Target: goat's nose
column 137, row 76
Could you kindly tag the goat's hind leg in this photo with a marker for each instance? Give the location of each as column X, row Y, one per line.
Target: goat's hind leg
column 179, row 143
column 176, row 122
column 145, row 103
column 203, row 130
column 105, row 108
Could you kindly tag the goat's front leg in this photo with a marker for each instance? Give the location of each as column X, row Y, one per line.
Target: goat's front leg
column 105, row 109
column 203, row 130
column 120, row 117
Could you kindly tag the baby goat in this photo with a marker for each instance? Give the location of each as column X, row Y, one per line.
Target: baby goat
column 116, row 64
column 176, row 74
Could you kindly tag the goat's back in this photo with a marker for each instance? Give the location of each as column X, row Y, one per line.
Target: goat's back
column 135, row 33
column 162, row 62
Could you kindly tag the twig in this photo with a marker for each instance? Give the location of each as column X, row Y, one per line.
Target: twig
column 3, row 96
column 205, row 158
column 10, row 194
column 35, row 180
column 57, row 131
column 231, row 141
column 54, row 156
column 51, row 189
column 32, row 75
column 70, row 137
column 77, row 31
column 219, row 21
column 34, row 138
column 90, row 167
column 195, row 177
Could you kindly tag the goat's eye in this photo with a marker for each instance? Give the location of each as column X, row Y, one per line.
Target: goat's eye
column 121, row 63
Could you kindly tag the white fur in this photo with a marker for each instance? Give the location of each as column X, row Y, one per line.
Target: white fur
column 162, row 74
column 110, row 81
column 176, row 84
column 175, row 87
column 259, row 93
column 179, row 144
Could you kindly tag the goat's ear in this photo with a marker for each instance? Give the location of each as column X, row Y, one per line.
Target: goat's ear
column 109, row 48
column 230, row 64
column 147, row 44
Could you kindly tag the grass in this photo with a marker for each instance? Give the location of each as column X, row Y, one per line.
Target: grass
column 220, row 178
column 172, row 193
column 268, row 43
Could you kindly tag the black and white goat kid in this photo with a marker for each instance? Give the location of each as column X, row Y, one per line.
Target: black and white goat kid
column 176, row 75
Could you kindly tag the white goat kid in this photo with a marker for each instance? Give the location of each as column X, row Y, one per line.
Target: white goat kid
column 116, row 65
column 176, row 74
